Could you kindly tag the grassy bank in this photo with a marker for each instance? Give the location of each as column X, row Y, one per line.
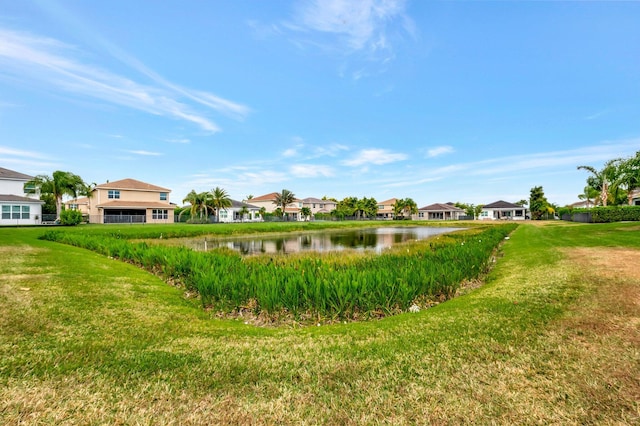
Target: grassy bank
column 552, row 337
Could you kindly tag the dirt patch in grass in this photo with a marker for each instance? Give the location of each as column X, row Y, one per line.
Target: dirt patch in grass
column 601, row 335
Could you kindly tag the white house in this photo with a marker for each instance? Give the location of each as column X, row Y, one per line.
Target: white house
column 235, row 214
column 502, row 210
column 16, row 206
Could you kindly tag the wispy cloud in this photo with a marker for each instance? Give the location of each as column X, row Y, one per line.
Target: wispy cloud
column 35, row 162
column 144, row 153
column 52, row 63
column 311, row 170
column 355, row 26
column 179, row 140
column 509, row 167
column 374, row 156
column 439, row 150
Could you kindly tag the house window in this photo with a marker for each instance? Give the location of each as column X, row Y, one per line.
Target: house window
column 6, row 212
column 15, row 212
column 380, row 207
column 223, row 214
column 420, row 214
column 484, row 213
column 73, row 207
column 159, row 214
column 314, row 205
column 163, row 196
column 114, row 194
column 25, row 212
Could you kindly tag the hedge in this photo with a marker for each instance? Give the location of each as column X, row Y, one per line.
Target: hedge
column 607, row 214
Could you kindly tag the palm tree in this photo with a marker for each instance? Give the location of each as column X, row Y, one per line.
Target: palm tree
column 601, row 179
column 305, row 212
column 58, row 185
column 199, row 204
column 410, row 208
column 283, row 199
column 243, row 212
column 628, row 176
column 219, row 200
column 262, row 211
column 589, row 194
column 398, row 208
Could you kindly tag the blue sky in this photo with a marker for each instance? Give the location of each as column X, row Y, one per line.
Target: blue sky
column 471, row 101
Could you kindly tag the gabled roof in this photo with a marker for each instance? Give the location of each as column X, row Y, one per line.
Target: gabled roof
column 132, row 184
column 18, row 199
column 437, row 207
column 10, row 174
column 266, row 197
column 502, row 205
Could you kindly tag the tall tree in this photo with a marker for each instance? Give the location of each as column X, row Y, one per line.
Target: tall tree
column 57, row 185
column 306, row 213
column 398, row 208
column 199, row 204
column 220, row 200
column 283, row 199
column 243, row 212
column 538, row 204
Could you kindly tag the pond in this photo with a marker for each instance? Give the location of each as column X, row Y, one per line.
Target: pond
column 375, row 239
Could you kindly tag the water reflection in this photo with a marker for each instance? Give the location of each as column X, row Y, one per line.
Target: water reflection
column 376, row 239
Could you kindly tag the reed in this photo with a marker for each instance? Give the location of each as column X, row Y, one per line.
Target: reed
column 311, row 285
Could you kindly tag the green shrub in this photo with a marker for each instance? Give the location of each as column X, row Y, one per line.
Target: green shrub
column 612, row 214
column 70, row 217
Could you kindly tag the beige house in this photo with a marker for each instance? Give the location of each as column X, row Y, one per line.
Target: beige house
column 126, row 201
column 385, row 209
column 267, row 201
column 317, row 205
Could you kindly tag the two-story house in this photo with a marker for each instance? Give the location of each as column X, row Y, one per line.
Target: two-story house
column 317, row 205
column 292, row 210
column 17, row 207
column 385, row 209
column 126, row 201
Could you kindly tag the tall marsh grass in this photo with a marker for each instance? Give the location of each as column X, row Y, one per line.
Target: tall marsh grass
column 312, row 285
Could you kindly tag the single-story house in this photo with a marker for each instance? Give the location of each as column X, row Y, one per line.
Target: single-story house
column 234, row 213
column 439, row 211
column 18, row 207
column 502, row 210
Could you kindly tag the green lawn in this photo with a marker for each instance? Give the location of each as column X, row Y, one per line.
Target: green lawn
column 548, row 339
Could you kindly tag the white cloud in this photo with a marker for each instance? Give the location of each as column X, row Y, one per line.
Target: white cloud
column 290, row 152
column 49, row 62
column 179, row 140
column 311, row 170
column 439, row 150
column 362, row 24
column 374, row 156
column 145, row 153
column 21, row 153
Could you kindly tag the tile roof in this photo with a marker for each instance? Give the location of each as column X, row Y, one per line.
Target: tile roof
column 132, row 184
column 10, row 174
column 266, row 197
column 238, row 205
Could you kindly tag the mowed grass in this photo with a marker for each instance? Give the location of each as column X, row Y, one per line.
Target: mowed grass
column 553, row 337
